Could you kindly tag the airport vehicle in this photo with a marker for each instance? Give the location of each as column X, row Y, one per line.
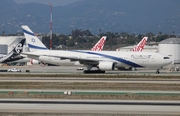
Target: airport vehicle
column 14, row 54
column 14, row 70
column 102, row 60
column 80, row 68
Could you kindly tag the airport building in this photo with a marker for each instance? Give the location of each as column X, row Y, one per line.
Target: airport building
column 171, row 47
column 3, row 49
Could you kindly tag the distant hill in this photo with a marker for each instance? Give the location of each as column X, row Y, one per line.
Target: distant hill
column 133, row 16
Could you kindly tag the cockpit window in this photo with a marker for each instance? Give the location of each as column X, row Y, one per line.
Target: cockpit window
column 166, row 57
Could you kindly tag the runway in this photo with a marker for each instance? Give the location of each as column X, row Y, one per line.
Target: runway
column 61, row 91
column 92, row 80
column 102, row 107
column 73, row 70
column 90, row 106
column 90, row 93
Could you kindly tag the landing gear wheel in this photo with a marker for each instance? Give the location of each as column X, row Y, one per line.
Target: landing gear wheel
column 93, row 71
column 157, row 72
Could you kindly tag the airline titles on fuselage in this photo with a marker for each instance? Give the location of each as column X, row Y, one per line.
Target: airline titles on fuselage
column 141, row 56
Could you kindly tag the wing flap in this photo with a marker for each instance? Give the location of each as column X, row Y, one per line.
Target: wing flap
column 84, row 61
column 29, row 55
column 81, row 60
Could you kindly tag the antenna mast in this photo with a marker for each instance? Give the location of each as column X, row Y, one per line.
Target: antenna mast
column 50, row 26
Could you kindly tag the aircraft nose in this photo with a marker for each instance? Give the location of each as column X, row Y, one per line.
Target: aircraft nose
column 169, row 61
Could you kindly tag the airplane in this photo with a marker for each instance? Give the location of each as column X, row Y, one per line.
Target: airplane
column 102, row 60
column 14, row 54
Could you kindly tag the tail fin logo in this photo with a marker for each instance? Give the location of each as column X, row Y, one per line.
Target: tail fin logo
column 99, row 46
column 33, row 40
column 18, row 48
column 141, row 45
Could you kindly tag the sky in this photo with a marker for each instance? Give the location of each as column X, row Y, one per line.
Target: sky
column 53, row 2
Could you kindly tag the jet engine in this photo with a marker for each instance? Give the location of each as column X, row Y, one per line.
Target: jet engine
column 50, row 60
column 106, row 66
column 35, row 62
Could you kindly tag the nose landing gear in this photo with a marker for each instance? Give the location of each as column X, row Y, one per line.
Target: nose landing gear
column 157, row 71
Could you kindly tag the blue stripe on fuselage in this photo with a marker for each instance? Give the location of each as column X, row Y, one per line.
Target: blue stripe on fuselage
column 37, row 47
column 114, row 58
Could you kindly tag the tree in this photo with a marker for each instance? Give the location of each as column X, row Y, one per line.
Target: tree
column 86, row 33
column 76, row 33
column 161, row 37
column 70, row 43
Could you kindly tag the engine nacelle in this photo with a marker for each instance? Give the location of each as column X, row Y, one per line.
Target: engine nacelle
column 49, row 60
column 35, row 62
column 45, row 58
column 106, row 66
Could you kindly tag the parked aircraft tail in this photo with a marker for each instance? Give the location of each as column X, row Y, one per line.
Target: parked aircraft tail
column 14, row 54
column 99, row 45
column 32, row 40
column 140, row 45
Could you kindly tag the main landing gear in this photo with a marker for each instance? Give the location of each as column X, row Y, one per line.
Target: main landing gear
column 89, row 71
column 93, row 71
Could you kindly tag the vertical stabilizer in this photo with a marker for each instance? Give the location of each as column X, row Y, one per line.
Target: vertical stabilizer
column 140, row 45
column 99, row 45
column 14, row 54
column 32, row 40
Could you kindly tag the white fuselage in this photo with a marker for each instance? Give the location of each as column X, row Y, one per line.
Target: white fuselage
column 122, row 59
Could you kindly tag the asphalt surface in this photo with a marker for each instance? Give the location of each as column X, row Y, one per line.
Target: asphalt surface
column 93, row 80
column 89, row 92
column 90, row 106
column 73, row 70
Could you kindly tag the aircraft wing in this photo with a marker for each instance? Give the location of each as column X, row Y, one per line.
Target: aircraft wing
column 84, row 61
column 33, row 56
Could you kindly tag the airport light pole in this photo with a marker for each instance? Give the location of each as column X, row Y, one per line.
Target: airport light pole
column 50, row 26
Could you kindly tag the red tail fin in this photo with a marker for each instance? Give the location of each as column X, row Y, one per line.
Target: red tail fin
column 140, row 45
column 99, row 45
